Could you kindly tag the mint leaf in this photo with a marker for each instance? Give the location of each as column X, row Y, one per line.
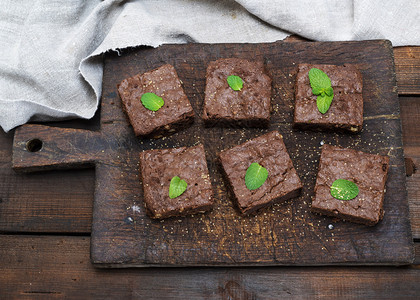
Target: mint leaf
column 317, row 90
column 318, row 80
column 321, row 86
column 255, row 176
column 235, row 82
column 329, row 91
column 343, row 189
column 177, row 187
column 152, row 101
column 323, row 102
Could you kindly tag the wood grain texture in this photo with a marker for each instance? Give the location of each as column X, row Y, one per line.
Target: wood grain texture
column 45, row 267
column 54, row 201
column 407, row 67
column 410, row 116
column 40, row 148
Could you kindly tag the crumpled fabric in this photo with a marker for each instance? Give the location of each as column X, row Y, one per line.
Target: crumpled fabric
column 51, row 52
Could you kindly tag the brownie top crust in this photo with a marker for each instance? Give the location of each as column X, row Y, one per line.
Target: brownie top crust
column 347, row 105
column 270, row 152
column 368, row 171
column 164, row 82
column 252, row 101
column 158, row 167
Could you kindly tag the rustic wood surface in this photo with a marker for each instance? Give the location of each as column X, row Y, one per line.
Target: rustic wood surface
column 410, row 112
column 122, row 234
column 35, row 264
column 58, row 267
column 407, row 64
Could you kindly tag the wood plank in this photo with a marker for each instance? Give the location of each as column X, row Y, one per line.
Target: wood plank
column 42, row 267
column 55, row 201
column 410, row 117
column 407, row 68
column 416, row 254
column 45, row 148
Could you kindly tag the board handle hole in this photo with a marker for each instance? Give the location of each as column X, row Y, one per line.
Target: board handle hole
column 34, row 145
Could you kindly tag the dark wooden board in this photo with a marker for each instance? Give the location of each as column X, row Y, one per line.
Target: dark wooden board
column 285, row 234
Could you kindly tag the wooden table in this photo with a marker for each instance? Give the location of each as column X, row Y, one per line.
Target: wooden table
column 45, row 225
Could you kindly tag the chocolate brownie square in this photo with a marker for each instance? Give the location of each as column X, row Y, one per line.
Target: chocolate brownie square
column 249, row 106
column 175, row 114
column 270, row 152
column 346, row 110
column 367, row 171
column 158, row 167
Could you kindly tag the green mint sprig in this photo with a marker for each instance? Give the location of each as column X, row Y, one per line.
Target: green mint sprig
column 235, row 82
column 321, row 86
column 343, row 189
column 177, row 187
column 152, row 101
column 255, row 176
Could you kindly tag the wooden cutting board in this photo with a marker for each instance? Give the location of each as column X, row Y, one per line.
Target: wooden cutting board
column 285, row 234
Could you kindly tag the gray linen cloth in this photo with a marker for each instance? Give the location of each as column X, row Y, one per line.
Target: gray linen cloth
column 50, row 51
